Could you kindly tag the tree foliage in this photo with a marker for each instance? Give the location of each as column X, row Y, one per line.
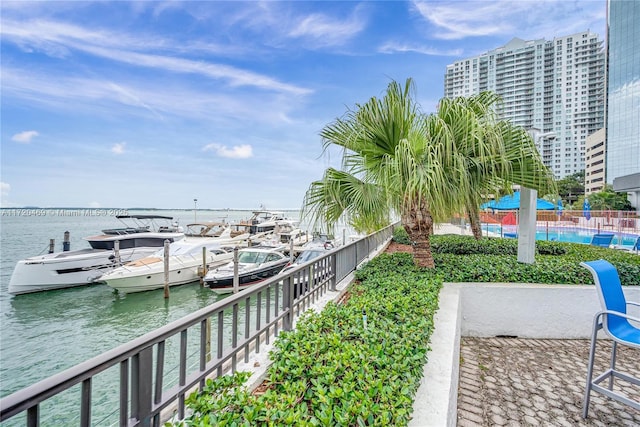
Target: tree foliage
column 400, row 162
column 607, row 199
column 571, row 187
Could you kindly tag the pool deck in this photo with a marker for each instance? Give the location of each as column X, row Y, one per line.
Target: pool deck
column 523, row 382
column 539, row 382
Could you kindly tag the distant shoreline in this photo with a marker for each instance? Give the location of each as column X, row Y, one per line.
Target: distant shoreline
column 147, row 209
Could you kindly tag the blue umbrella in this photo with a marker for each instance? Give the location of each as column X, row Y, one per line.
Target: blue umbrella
column 511, row 202
column 586, row 209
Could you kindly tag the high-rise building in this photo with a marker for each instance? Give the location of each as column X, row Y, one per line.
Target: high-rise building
column 623, row 98
column 594, row 171
column 555, row 87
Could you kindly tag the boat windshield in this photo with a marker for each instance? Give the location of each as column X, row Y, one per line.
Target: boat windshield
column 309, row 255
column 252, row 257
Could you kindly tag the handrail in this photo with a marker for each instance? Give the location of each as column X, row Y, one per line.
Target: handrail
column 268, row 307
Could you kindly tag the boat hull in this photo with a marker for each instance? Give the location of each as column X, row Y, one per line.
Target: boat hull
column 223, row 283
column 67, row 269
column 150, row 276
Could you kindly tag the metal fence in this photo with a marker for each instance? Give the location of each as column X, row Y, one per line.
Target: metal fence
column 157, row 371
column 625, row 225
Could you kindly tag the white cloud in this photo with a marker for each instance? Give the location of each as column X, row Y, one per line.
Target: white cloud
column 94, row 205
column 118, row 148
column 243, row 151
column 25, row 137
column 392, row 47
column 325, row 30
column 56, row 39
column 525, row 19
column 104, row 97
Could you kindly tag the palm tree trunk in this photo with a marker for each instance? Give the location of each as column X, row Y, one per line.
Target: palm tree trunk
column 418, row 224
column 474, row 220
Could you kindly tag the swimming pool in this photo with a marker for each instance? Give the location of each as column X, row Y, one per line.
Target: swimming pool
column 561, row 234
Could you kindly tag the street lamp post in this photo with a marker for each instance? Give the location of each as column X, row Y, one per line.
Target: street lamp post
column 195, row 210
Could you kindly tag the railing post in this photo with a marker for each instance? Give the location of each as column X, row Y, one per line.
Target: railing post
column 141, row 387
column 334, row 276
column 287, row 304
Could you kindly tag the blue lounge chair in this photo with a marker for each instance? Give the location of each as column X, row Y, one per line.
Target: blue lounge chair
column 614, row 320
column 602, row 239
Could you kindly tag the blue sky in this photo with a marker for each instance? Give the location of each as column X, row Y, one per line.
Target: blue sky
column 153, row 104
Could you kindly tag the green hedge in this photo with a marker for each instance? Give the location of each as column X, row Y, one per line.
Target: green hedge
column 464, row 259
column 336, row 368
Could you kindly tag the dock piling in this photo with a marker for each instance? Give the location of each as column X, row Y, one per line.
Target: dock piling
column 236, row 279
column 66, row 243
column 166, row 268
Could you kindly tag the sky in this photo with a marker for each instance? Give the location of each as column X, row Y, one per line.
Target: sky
column 152, row 104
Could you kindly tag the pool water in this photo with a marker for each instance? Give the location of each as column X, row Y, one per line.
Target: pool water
column 560, row 234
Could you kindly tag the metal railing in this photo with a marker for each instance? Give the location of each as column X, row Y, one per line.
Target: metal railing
column 157, row 371
column 625, row 225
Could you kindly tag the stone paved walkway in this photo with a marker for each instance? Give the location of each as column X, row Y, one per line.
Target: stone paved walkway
column 527, row 382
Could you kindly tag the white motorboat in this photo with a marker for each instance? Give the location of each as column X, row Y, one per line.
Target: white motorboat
column 263, row 221
column 141, row 236
column 286, row 233
column 186, row 260
column 289, row 232
column 255, row 264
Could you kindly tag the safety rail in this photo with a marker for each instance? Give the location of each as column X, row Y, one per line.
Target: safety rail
column 158, row 370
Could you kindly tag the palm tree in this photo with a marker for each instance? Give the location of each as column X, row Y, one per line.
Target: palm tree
column 495, row 152
column 398, row 161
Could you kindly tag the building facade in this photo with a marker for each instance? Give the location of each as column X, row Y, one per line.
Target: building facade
column 595, row 157
column 623, row 98
column 556, row 87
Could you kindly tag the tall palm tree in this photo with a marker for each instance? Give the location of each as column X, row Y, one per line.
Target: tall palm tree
column 398, row 161
column 393, row 164
column 495, row 152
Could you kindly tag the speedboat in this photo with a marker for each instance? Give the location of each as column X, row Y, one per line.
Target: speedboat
column 289, row 232
column 312, row 250
column 263, row 221
column 141, row 236
column 286, row 233
column 186, row 260
column 255, row 264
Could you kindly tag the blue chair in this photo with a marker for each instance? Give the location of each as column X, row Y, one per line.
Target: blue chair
column 614, row 320
column 602, row 239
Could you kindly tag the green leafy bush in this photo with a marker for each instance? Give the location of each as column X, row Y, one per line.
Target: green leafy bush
column 464, row 259
column 400, row 236
column 336, row 368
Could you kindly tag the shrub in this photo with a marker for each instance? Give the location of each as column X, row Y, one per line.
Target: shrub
column 336, row 368
column 464, row 259
column 400, row 236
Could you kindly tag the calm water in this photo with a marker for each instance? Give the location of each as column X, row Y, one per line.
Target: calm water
column 44, row 333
